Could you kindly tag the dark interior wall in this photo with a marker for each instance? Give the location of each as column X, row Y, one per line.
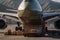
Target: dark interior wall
column 10, row 3
column 54, row 5
column 51, row 5
column 13, row 4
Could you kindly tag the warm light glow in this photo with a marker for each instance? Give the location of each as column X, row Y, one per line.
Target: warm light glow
column 22, row 5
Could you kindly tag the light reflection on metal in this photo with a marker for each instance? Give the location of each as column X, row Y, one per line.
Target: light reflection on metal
column 56, row 1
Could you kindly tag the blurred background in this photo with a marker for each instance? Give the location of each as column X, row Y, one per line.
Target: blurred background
column 13, row 4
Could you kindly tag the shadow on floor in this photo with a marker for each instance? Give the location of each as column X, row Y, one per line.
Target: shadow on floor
column 52, row 34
